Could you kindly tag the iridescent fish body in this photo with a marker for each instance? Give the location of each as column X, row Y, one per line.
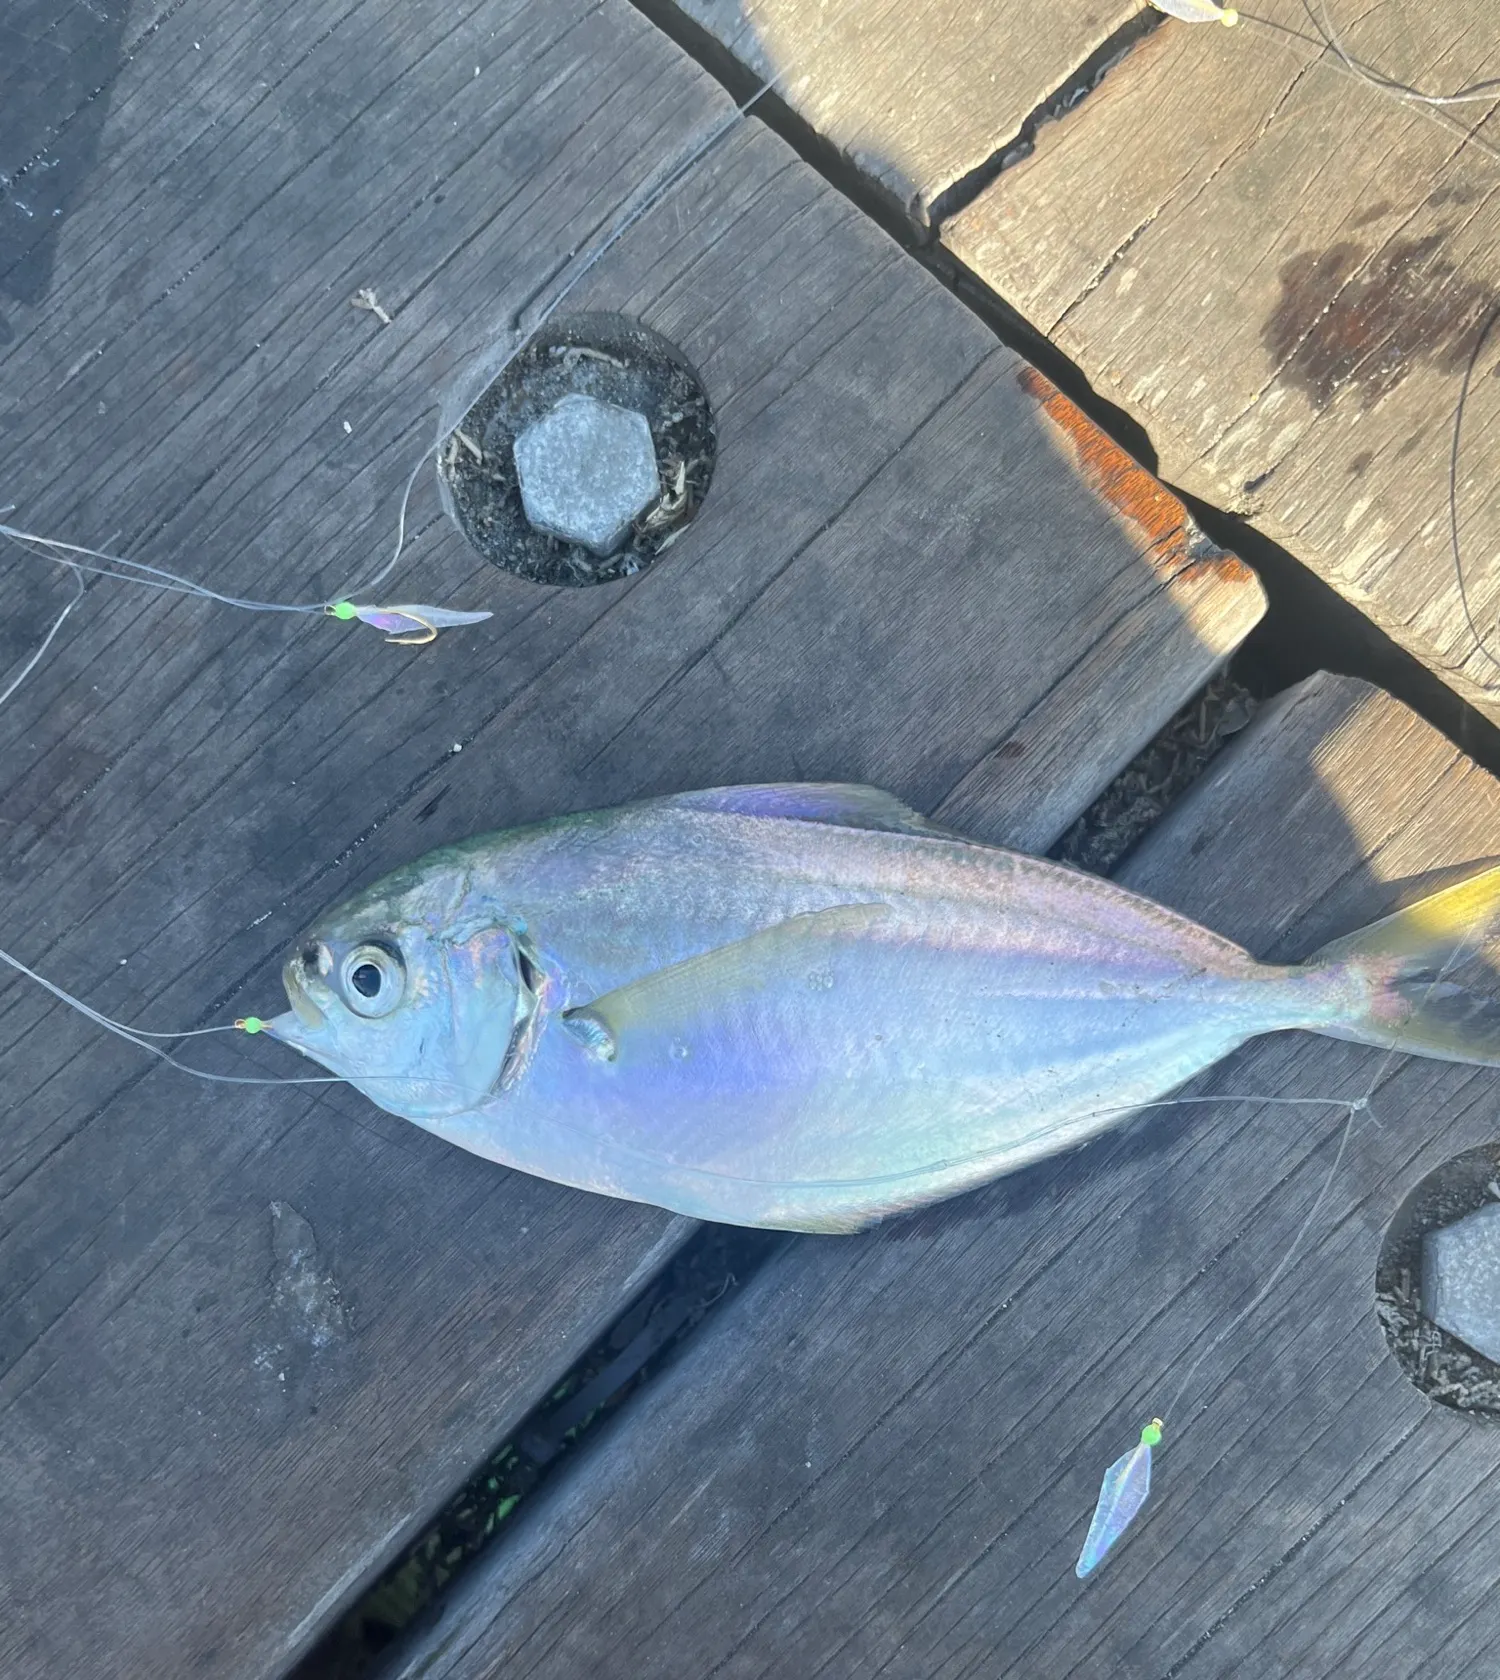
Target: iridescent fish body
column 806, row 1007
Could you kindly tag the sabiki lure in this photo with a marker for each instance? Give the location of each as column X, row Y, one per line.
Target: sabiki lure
column 1121, row 1495
column 1127, row 1482
column 1198, row 11
column 406, row 625
column 1326, row 46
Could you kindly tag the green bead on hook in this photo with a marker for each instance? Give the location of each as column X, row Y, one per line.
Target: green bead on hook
column 406, row 626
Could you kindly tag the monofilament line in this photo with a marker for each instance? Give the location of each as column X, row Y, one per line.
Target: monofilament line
column 1455, row 454
column 57, row 624
column 1476, row 93
column 139, row 1037
column 644, row 201
column 135, row 571
column 1361, row 1105
column 1126, row 1484
column 1434, row 107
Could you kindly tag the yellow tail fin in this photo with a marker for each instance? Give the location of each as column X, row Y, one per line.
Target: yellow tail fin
column 1407, row 960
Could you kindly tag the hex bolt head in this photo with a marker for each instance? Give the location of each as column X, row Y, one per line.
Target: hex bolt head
column 1461, row 1279
column 587, row 470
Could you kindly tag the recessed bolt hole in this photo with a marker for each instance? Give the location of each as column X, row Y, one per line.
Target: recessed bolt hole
column 586, row 458
column 1437, row 1283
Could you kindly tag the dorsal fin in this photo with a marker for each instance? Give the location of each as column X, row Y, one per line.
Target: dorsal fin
column 840, row 804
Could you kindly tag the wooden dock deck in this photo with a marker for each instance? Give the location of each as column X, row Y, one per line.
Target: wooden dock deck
column 881, row 1461
column 1278, row 272
column 252, row 1338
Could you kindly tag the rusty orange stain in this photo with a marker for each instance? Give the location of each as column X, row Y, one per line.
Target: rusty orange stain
column 1228, row 568
column 1148, row 506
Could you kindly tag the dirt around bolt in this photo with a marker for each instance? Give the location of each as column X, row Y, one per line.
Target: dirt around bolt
column 1444, row 1368
column 615, row 360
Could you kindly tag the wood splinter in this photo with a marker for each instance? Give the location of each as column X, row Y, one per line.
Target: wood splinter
column 365, row 298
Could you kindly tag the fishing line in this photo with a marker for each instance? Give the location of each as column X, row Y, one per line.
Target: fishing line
column 124, row 571
column 254, row 1025
column 251, row 1024
column 415, row 624
column 408, row 624
column 57, row 624
column 1360, row 1105
column 1475, row 93
column 1429, row 106
column 1326, row 40
column 139, row 1036
column 1454, row 455
column 1127, row 1483
column 405, row 625
column 517, row 332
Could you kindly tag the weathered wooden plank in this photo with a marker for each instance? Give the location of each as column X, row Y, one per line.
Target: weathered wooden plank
column 882, row 1459
column 213, row 1430
column 60, row 62
column 1281, row 274
column 1014, row 795
column 916, row 98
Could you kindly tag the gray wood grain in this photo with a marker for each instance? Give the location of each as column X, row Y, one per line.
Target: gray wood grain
column 1281, row 274
column 914, row 97
column 882, row 1459
column 250, row 1337
column 60, row 62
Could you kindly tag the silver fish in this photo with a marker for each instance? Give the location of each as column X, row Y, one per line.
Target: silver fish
column 806, row 1007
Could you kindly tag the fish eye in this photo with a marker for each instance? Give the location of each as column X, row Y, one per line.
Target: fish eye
column 374, row 979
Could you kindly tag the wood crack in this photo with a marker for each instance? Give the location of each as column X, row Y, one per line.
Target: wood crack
column 1060, row 103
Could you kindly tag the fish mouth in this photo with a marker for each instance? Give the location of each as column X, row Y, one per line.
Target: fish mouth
column 288, row 1029
column 304, row 1023
column 306, row 1011
column 293, row 1030
column 304, row 1006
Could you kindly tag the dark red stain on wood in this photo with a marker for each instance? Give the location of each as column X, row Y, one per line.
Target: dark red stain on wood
column 1358, row 319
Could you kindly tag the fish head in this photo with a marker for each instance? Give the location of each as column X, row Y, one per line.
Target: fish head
column 419, row 991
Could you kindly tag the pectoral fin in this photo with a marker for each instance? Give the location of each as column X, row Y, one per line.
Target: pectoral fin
column 676, row 998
